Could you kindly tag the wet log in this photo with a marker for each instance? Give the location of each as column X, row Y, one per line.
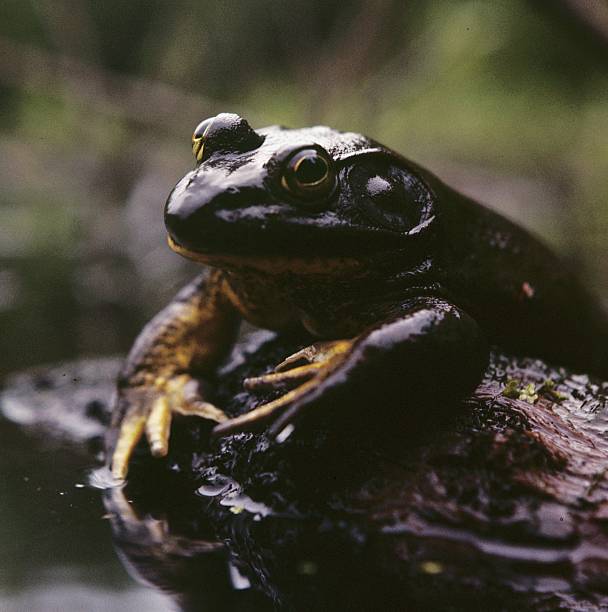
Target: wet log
column 502, row 504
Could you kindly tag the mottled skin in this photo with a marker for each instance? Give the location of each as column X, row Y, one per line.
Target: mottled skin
column 403, row 281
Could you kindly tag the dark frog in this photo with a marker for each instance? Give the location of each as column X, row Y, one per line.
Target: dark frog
column 401, row 281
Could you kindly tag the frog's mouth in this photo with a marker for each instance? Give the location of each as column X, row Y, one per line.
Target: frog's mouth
column 276, row 264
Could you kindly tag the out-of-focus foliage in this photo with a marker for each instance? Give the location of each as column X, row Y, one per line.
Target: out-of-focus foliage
column 506, row 100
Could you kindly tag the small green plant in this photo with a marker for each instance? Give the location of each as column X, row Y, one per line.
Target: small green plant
column 548, row 389
column 513, row 389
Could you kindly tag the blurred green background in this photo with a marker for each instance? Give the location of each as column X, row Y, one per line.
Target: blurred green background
column 507, row 101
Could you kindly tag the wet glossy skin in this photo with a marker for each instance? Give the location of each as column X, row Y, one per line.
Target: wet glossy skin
column 402, row 280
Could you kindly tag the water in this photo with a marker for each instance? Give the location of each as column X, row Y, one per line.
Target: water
column 56, row 550
column 71, row 539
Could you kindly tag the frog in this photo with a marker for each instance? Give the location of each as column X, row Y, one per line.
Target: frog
column 401, row 283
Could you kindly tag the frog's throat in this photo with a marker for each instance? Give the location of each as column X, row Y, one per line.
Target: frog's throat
column 277, row 265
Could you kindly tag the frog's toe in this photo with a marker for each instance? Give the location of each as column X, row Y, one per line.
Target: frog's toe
column 260, row 416
column 185, row 398
column 201, row 409
column 158, row 426
column 139, row 418
column 318, row 352
column 130, row 431
column 283, row 379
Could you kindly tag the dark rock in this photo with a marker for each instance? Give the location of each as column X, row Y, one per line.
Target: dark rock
column 502, row 506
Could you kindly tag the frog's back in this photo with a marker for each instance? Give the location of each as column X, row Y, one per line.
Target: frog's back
column 526, row 297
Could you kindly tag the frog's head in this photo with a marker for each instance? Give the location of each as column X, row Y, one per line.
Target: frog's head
column 288, row 194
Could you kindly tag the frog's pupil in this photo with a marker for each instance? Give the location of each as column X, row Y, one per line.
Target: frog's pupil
column 311, row 169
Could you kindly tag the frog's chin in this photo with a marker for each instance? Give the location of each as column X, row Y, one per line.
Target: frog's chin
column 305, row 265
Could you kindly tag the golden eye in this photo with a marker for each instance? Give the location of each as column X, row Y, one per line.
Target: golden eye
column 198, row 138
column 309, row 175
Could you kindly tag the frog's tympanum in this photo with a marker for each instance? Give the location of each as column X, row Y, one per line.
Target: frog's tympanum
column 400, row 282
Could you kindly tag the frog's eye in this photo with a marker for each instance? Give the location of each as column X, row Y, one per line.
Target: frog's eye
column 198, row 138
column 309, row 175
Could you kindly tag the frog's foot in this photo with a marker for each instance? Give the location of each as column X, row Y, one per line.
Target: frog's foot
column 150, row 410
column 320, row 360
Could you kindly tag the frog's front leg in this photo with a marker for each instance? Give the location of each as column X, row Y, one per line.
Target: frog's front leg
column 183, row 342
column 428, row 350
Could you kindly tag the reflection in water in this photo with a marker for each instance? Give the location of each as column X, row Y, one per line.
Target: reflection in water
column 500, row 510
column 55, row 550
column 193, row 569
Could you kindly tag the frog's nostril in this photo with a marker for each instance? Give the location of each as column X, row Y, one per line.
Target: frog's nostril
column 225, row 132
